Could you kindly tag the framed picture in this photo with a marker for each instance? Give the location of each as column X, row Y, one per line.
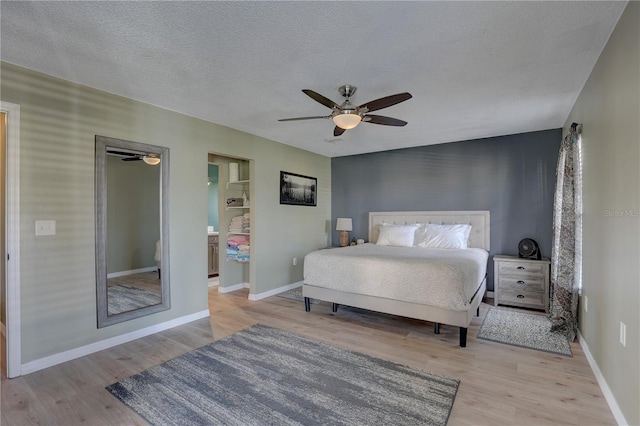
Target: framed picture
column 298, row 190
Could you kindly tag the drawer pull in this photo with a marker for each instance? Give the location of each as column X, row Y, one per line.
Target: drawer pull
column 519, row 282
column 520, row 267
column 520, row 296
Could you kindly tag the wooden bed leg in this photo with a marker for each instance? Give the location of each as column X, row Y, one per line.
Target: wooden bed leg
column 307, row 304
column 463, row 337
column 436, row 328
column 334, row 307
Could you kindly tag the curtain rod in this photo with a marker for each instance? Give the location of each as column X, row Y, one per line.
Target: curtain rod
column 574, row 127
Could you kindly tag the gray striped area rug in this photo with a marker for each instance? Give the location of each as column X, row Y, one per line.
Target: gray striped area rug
column 123, row 298
column 265, row 376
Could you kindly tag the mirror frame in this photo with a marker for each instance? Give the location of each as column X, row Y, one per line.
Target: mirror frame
column 102, row 142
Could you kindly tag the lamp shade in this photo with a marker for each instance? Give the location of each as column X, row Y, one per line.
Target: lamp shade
column 151, row 160
column 347, row 120
column 344, row 224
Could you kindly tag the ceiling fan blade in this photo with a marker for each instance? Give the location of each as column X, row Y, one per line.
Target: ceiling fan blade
column 381, row 119
column 337, row 131
column 319, row 98
column 385, row 102
column 122, row 153
column 304, row 118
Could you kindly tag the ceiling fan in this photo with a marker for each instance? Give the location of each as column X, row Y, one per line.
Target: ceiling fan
column 151, row 159
column 347, row 116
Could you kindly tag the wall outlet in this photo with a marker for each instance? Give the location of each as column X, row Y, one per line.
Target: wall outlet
column 586, row 304
column 623, row 334
column 295, row 261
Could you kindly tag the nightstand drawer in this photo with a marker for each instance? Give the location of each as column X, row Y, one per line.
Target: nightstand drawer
column 522, row 269
column 521, row 284
column 213, row 239
column 531, row 299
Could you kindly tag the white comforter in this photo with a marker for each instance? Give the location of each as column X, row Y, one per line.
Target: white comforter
column 446, row 278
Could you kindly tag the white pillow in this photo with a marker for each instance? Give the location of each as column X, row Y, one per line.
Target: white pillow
column 396, row 235
column 443, row 236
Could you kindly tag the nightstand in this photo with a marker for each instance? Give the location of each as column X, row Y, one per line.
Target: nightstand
column 521, row 282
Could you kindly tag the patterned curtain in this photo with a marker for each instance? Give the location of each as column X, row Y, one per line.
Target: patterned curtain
column 565, row 255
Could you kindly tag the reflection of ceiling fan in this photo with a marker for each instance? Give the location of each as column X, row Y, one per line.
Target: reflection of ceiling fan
column 347, row 116
column 151, row 159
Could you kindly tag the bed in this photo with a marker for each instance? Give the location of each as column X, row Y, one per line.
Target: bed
column 440, row 285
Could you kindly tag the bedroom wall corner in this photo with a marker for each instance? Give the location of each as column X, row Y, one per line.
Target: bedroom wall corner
column 608, row 109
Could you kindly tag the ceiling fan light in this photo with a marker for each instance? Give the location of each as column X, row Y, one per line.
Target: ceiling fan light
column 347, row 120
column 152, row 161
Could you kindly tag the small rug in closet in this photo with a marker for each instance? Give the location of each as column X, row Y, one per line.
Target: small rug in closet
column 296, row 294
column 524, row 330
column 265, row 376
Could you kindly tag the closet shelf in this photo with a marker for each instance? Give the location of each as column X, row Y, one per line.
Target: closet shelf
column 238, row 260
column 238, row 182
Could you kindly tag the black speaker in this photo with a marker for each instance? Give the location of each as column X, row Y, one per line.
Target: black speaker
column 529, row 249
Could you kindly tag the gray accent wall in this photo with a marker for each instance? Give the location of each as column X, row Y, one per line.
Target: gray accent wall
column 511, row 176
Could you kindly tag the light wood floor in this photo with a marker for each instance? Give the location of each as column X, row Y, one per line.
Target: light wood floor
column 500, row 384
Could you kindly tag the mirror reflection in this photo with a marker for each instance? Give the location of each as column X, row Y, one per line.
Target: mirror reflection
column 131, row 262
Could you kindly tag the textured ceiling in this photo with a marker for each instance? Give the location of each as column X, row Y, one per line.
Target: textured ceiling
column 475, row 69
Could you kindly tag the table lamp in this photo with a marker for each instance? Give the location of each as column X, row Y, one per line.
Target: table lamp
column 344, row 225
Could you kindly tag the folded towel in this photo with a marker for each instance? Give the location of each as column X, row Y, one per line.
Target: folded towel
column 237, row 239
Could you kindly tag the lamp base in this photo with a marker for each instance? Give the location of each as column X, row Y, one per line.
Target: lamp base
column 344, row 238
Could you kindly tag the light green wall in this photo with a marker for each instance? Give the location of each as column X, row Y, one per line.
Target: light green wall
column 213, row 196
column 59, row 120
column 609, row 110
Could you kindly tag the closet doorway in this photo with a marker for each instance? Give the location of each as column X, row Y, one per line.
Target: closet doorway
column 234, row 216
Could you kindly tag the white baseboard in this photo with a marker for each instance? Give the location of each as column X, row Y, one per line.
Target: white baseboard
column 275, row 291
column 490, row 294
column 59, row 358
column 132, row 271
column 604, row 387
column 231, row 288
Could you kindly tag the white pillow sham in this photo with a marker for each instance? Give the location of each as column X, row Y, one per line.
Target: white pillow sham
column 432, row 235
column 396, row 235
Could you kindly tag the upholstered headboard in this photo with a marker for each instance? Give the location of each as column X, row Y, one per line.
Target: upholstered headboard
column 478, row 219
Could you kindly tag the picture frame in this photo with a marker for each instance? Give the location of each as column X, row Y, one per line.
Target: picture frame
column 298, row 190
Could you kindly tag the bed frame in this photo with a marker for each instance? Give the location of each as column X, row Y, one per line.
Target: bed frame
column 479, row 238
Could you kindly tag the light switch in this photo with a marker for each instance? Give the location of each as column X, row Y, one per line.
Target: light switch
column 45, row 227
